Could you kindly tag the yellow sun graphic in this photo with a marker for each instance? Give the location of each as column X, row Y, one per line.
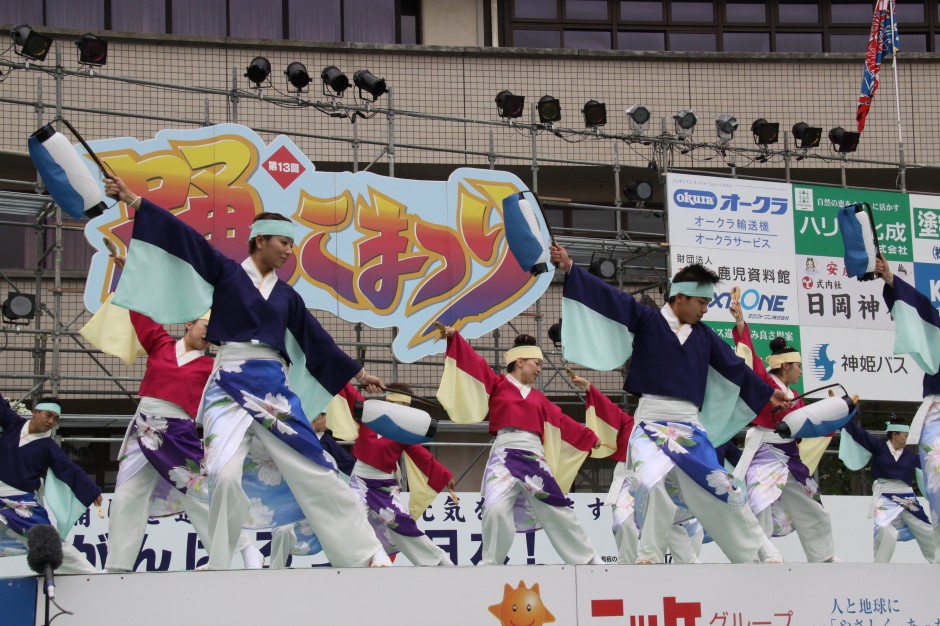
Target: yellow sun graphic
column 521, row 607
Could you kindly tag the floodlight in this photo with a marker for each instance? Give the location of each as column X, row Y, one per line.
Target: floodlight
column 844, row 141
column 367, row 82
column 297, row 75
column 549, row 109
column 32, row 44
column 639, row 116
column 334, row 79
column 554, row 332
column 686, row 119
column 92, row 50
column 639, row 191
column 19, row 306
column 595, row 113
column 258, row 70
column 765, row 132
column 725, row 125
column 806, row 136
column 603, row 268
column 509, row 105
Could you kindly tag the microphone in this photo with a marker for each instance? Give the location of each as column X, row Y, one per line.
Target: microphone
column 45, row 554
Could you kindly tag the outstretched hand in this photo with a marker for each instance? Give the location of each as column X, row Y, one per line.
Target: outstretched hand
column 446, row 331
column 882, row 269
column 115, row 189
column 780, row 400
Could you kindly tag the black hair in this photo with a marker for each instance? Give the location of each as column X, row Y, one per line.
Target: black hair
column 402, row 387
column 266, row 215
column 521, row 340
column 695, row 273
column 778, row 345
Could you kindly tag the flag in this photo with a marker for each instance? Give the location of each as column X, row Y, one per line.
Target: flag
column 883, row 38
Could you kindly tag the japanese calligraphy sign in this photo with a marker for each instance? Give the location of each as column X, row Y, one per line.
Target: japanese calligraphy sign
column 768, row 286
column 864, row 363
column 817, row 229
column 925, row 212
column 729, row 214
column 828, row 297
column 383, row 251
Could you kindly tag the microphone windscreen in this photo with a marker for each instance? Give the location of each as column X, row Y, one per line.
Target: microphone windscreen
column 45, row 548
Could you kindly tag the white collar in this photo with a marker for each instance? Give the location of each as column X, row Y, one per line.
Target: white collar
column 894, row 451
column 523, row 388
column 184, row 356
column 682, row 331
column 26, row 437
column 264, row 284
column 786, row 388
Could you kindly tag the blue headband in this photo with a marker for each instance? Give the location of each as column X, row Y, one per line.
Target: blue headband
column 49, row 406
column 897, row 428
column 692, row 289
column 278, row 228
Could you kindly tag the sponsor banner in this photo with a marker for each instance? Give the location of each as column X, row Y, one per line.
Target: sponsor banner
column 926, row 280
column 761, row 336
column 768, row 286
column 864, row 363
column 925, row 217
column 384, row 251
column 798, row 595
column 729, row 214
column 829, row 297
column 171, row 544
column 817, row 228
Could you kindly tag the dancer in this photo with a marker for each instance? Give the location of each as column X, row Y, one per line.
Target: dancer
column 27, row 453
column 896, row 511
column 160, row 460
column 249, row 407
column 673, row 358
column 375, row 483
column 916, row 333
column 617, row 424
column 520, row 489
column 779, row 485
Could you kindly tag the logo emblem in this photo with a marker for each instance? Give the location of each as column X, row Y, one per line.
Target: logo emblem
column 823, row 367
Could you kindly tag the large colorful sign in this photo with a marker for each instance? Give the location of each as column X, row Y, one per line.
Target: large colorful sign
column 369, row 248
column 797, row 277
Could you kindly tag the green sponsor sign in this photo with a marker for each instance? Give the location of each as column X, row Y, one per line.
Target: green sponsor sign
column 816, row 227
column 926, row 223
column 761, row 336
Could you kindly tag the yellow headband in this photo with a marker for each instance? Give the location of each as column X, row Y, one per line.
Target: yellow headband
column 523, row 352
column 775, row 361
column 398, row 397
column 206, row 315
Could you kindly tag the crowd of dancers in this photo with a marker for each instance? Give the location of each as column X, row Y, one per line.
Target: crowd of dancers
column 262, row 462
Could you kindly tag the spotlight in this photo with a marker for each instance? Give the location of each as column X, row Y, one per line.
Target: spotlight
column 258, row 70
column 603, row 268
column 844, row 141
column 92, row 50
column 765, row 132
column 806, row 136
column 19, row 306
column 595, row 113
column 639, row 191
column 686, row 119
column 549, row 109
column 725, row 125
column 297, row 75
column 554, row 332
column 508, row 105
column 639, row 116
column 367, row 82
column 333, row 78
column 33, row 45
